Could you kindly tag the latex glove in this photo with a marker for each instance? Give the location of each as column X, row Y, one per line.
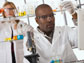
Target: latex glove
column 23, row 28
column 67, row 5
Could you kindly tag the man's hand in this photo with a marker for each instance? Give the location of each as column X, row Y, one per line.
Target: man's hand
column 67, row 5
column 23, row 28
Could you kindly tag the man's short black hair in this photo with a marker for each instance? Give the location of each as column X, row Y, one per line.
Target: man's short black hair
column 42, row 6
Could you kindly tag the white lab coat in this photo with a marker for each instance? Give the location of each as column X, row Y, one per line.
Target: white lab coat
column 6, row 32
column 61, row 47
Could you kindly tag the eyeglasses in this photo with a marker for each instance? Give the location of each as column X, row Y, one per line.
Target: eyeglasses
column 9, row 9
column 46, row 16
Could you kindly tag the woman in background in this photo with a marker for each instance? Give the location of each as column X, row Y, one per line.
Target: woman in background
column 11, row 28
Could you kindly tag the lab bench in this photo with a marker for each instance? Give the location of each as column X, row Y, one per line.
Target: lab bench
column 79, row 61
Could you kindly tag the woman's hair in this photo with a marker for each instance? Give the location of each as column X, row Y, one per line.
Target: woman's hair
column 8, row 3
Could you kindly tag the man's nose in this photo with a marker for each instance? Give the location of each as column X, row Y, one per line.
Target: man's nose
column 49, row 19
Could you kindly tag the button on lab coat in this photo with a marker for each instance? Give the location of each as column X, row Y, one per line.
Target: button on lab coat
column 61, row 47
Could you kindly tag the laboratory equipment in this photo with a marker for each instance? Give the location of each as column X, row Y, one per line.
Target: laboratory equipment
column 1, row 10
column 17, row 37
column 81, row 29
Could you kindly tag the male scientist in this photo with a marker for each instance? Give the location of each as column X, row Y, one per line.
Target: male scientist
column 53, row 42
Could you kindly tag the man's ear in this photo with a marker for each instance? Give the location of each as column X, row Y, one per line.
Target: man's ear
column 37, row 21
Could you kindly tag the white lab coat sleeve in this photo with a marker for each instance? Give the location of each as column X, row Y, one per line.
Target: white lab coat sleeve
column 73, row 36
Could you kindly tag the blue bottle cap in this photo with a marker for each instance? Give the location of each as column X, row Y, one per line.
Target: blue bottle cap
column 20, row 37
column 57, row 61
column 52, row 61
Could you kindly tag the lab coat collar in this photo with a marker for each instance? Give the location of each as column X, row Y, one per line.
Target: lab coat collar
column 48, row 37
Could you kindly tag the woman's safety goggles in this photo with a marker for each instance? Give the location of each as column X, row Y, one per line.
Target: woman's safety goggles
column 8, row 9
